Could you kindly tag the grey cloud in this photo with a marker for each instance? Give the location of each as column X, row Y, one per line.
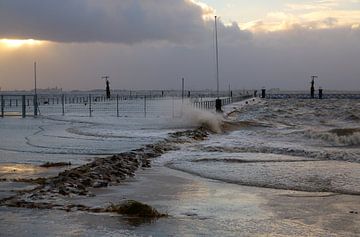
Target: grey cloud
column 123, row 21
column 283, row 59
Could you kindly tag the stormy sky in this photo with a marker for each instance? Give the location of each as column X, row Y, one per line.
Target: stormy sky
column 152, row 44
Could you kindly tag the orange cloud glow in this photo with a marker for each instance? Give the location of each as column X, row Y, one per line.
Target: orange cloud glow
column 18, row 43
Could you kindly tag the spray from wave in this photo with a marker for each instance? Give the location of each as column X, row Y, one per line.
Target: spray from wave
column 205, row 119
column 215, row 122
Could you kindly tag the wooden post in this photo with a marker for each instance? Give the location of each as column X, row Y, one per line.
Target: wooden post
column 35, row 105
column 320, row 93
column 23, row 105
column 63, row 104
column 312, row 89
column 263, row 93
column 173, row 107
column 90, row 112
column 2, row 106
column 145, row 106
column 117, row 105
column 182, row 89
column 218, row 104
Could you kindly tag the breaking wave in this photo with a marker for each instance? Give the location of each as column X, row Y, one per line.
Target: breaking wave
column 200, row 118
column 309, row 154
column 216, row 123
column 339, row 136
column 299, row 176
column 271, row 148
column 353, row 117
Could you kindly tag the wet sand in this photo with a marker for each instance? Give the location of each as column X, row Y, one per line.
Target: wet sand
column 203, row 207
column 197, row 207
column 234, row 210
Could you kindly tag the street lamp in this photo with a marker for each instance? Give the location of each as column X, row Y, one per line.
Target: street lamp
column 35, row 92
column 218, row 101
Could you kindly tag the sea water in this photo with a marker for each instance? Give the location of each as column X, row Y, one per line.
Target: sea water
column 305, row 145
column 295, row 145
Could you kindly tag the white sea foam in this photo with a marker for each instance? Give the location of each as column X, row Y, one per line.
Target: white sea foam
column 218, row 122
column 270, row 147
column 201, row 118
column 339, row 155
column 351, row 138
column 274, row 171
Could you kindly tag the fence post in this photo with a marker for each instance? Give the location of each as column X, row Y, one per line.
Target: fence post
column 117, row 105
column 35, row 105
column 63, row 104
column 2, row 106
column 90, row 112
column 173, row 107
column 23, row 106
column 145, row 106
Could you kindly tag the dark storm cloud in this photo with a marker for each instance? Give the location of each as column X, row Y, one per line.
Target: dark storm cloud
column 283, row 60
column 123, row 21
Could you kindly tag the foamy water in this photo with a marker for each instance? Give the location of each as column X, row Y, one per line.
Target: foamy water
column 299, row 145
column 311, row 145
column 305, row 145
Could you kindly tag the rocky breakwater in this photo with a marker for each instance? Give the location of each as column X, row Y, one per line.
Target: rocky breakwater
column 54, row 192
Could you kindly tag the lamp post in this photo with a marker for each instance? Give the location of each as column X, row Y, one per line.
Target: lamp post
column 182, row 89
column 35, row 86
column 35, row 92
column 218, row 101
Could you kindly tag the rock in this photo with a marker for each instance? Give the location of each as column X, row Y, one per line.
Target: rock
column 63, row 191
column 86, row 182
column 102, row 172
column 55, row 164
column 134, row 209
column 100, row 184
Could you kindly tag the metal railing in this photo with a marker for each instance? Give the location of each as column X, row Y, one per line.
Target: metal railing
column 209, row 104
column 98, row 105
column 17, row 105
column 116, row 106
column 307, row 96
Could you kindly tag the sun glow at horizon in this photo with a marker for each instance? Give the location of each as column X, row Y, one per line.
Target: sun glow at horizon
column 17, row 43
